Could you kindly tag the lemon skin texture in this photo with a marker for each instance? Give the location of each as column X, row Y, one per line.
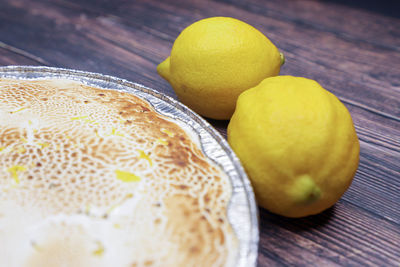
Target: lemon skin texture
column 215, row 59
column 297, row 143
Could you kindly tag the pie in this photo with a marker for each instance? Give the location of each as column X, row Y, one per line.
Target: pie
column 97, row 177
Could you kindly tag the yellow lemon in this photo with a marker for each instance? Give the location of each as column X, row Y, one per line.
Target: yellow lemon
column 297, row 143
column 215, row 59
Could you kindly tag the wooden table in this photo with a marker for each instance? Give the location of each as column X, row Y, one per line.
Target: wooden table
column 353, row 51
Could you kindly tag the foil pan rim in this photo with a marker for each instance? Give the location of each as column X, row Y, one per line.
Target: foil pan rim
column 247, row 230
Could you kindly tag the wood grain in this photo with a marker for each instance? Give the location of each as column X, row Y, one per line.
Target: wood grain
column 353, row 52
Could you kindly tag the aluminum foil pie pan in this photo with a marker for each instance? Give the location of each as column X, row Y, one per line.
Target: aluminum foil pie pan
column 242, row 209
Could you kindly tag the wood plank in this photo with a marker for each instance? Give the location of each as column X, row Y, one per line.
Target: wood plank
column 72, row 44
column 342, row 234
column 11, row 58
column 347, row 21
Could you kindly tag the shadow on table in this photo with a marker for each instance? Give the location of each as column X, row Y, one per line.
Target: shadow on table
column 295, row 224
column 219, row 125
column 384, row 7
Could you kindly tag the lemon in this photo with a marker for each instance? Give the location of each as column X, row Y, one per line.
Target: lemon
column 297, row 143
column 215, row 59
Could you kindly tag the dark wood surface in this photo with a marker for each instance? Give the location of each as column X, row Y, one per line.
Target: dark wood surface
column 353, row 50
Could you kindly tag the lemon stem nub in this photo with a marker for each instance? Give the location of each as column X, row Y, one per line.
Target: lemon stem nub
column 304, row 190
column 163, row 69
column 282, row 58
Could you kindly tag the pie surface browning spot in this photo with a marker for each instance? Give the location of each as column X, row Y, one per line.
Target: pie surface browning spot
column 96, row 177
